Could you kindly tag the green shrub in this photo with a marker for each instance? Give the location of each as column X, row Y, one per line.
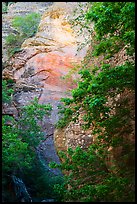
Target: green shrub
column 19, row 141
column 89, row 180
column 29, row 122
column 13, row 43
column 43, row 185
column 6, row 92
column 22, row 137
column 15, row 152
column 11, row 39
column 26, row 26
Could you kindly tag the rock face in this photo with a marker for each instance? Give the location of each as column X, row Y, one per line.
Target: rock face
column 18, row 9
column 49, row 55
column 55, row 31
column 73, row 135
column 40, row 66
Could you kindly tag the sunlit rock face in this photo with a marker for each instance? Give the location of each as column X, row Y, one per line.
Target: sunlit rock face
column 18, row 9
column 55, row 30
column 50, row 55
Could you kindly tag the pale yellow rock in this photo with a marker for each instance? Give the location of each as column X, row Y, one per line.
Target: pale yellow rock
column 54, row 28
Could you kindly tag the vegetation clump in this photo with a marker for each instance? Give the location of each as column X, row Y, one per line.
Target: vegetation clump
column 89, row 179
column 25, row 27
column 20, row 139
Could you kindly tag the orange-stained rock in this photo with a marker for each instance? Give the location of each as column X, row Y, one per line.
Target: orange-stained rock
column 51, row 54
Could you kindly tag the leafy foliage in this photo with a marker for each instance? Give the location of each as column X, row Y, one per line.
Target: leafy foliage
column 15, row 152
column 26, row 26
column 29, row 122
column 88, row 179
column 114, row 26
column 20, row 138
column 6, row 92
column 87, row 176
column 42, row 185
column 111, row 120
column 100, row 83
column 14, row 43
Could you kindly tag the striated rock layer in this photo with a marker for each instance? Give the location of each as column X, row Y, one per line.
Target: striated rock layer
column 48, row 56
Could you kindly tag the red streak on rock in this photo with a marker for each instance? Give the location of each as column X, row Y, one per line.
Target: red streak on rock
column 55, row 65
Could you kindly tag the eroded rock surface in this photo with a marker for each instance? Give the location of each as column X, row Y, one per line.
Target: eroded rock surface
column 50, row 54
column 18, row 9
column 41, row 65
